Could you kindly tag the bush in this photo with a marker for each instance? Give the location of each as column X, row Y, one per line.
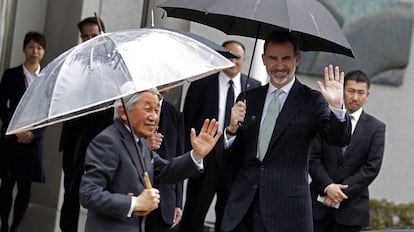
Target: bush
column 385, row 214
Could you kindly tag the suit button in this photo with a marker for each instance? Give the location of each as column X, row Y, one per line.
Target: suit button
column 262, row 168
column 255, row 186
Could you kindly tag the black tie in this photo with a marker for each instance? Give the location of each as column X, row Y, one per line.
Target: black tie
column 353, row 128
column 229, row 103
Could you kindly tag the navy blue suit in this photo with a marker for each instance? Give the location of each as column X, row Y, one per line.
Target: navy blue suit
column 201, row 102
column 277, row 189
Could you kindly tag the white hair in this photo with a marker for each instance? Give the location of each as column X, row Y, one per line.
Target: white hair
column 130, row 101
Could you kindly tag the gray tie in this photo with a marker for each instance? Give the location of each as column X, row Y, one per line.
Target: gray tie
column 269, row 124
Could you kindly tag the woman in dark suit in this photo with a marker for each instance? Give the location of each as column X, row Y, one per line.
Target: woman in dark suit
column 21, row 154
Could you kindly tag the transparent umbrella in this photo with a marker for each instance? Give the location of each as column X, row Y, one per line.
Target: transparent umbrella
column 88, row 77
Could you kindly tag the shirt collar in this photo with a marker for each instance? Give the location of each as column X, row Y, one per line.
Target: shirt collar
column 286, row 89
column 357, row 114
column 223, row 78
column 37, row 72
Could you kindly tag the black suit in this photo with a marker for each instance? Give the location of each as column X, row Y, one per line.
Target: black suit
column 18, row 162
column 275, row 191
column 357, row 167
column 171, row 125
column 201, row 102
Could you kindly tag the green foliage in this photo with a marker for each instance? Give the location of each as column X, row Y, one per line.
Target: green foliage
column 384, row 214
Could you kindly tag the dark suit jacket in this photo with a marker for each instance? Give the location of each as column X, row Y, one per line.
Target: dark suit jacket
column 357, row 168
column 112, row 170
column 201, row 102
column 171, row 125
column 281, row 179
column 17, row 160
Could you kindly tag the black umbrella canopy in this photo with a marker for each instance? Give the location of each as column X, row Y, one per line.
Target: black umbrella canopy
column 213, row 45
column 315, row 26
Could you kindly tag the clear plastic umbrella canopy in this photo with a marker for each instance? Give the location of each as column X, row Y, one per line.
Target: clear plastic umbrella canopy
column 88, row 77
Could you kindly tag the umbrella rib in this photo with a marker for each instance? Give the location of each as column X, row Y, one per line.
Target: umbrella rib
column 256, row 6
column 314, row 23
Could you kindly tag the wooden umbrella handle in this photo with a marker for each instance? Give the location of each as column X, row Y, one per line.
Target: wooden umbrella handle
column 147, row 183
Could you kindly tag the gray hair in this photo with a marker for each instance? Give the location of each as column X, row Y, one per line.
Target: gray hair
column 130, row 101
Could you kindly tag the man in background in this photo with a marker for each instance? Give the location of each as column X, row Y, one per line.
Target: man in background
column 75, row 137
column 341, row 175
column 207, row 98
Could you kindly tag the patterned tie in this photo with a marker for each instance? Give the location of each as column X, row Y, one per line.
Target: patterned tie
column 269, row 124
column 229, row 103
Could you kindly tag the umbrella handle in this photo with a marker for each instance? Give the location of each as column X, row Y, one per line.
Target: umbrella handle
column 139, row 213
column 147, row 183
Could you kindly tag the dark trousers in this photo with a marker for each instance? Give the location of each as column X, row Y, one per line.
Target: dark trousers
column 252, row 221
column 69, row 214
column 21, row 202
column 330, row 225
column 155, row 223
column 200, row 193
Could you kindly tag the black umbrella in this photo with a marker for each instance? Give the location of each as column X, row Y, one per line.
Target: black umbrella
column 213, row 45
column 315, row 26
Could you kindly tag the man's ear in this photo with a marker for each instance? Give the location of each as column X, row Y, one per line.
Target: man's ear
column 121, row 112
column 298, row 59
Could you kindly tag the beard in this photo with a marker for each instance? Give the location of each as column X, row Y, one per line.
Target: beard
column 282, row 80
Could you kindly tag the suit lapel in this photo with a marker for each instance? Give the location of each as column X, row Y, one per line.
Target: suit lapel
column 163, row 125
column 214, row 90
column 360, row 127
column 130, row 147
column 21, row 81
column 243, row 81
column 287, row 112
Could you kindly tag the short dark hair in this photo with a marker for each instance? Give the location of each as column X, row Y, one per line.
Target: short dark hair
column 91, row 20
column 36, row 37
column 281, row 37
column 357, row 76
column 225, row 43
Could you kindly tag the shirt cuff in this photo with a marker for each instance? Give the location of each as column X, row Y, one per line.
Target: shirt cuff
column 326, row 189
column 339, row 113
column 228, row 141
column 131, row 208
column 198, row 163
